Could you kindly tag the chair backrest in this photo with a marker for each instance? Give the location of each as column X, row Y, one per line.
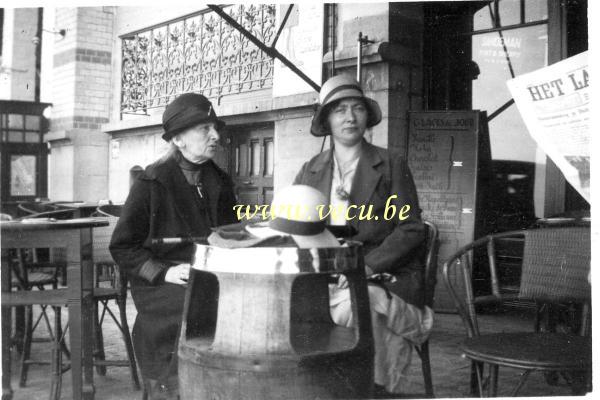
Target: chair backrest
column 35, row 207
column 556, row 264
column 19, row 272
column 20, row 269
column 110, row 210
column 62, row 213
column 103, row 259
column 5, row 217
column 431, row 262
column 101, row 240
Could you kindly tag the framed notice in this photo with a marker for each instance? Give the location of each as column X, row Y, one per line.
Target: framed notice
column 301, row 42
column 449, row 156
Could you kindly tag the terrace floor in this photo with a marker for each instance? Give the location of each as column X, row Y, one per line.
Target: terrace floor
column 450, row 371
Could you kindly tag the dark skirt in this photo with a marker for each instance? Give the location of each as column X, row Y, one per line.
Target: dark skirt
column 156, row 327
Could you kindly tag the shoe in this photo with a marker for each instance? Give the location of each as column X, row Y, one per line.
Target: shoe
column 155, row 390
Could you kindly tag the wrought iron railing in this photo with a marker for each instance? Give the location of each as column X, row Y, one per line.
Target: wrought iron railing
column 199, row 53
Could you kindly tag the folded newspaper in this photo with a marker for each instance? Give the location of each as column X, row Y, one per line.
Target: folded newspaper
column 554, row 103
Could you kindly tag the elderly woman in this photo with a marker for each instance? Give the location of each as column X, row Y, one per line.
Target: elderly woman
column 183, row 194
column 354, row 173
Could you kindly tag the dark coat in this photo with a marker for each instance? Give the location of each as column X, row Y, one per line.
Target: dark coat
column 162, row 204
column 392, row 246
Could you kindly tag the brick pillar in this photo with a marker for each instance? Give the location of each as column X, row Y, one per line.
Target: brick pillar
column 81, row 94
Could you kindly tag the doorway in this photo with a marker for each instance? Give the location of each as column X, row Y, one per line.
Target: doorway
column 251, row 163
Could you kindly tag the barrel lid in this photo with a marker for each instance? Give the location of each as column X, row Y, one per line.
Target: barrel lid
column 278, row 260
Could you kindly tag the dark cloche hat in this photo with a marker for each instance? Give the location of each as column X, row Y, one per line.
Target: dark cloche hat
column 337, row 88
column 188, row 110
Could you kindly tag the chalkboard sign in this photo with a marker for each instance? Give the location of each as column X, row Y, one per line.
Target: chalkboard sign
column 449, row 156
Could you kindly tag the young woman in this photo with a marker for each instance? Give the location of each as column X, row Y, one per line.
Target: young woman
column 355, row 176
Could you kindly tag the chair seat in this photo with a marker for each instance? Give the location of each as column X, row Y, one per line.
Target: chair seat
column 106, row 293
column 531, row 350
column 54, row 297
column 37, row 279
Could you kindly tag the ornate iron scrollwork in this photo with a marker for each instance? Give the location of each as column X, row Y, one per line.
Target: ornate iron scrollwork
column 201, row 54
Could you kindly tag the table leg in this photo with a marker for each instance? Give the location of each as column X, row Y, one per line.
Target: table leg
column 6, row 388
column 87, row 272
column 80, row 282
column 17, row 338
column 6, row 325
column 75, row 334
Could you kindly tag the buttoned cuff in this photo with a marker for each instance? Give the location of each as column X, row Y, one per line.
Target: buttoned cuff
column 153, row 270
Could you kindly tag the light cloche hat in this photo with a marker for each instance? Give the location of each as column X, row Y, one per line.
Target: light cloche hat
column 337, row 88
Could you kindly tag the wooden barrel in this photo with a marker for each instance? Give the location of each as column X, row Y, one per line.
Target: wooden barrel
column 256, row 325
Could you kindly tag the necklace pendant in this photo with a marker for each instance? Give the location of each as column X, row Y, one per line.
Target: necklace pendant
column 342, row 193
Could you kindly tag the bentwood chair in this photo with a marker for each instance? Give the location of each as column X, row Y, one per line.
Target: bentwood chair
column 103, row 294
column 427, row 281
column 555, row 268
column 35, row 207
column 430, row 280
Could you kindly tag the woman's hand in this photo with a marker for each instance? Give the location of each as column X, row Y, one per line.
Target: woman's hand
column 178, row 274
column 342, row 282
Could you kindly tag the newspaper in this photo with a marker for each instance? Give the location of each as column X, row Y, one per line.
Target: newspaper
column 554, row 103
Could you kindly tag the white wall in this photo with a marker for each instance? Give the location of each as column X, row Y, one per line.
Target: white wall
column 17, row 79
column 6, row 59
column 294, row 145
column 126, row 151
column 48, row 39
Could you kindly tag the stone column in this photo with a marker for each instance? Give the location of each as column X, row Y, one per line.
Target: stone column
column 81, row 94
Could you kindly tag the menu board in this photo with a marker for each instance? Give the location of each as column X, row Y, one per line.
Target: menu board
column 448, row 154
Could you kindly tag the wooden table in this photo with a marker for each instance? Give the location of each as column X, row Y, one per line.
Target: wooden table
column 81, row 209
column 76, row 236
